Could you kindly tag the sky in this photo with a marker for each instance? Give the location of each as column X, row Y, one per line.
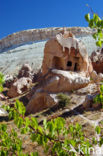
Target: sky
column 17, row 15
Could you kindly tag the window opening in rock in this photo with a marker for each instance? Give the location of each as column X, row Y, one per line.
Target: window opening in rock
column 69, row 63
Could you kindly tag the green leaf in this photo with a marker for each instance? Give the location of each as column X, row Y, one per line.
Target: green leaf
column 87, row 17
column 34, row 123
column 95, row 18
column 99, row 43
column 34, row 154
column 98, row 129
column 73, row 143
column 101, row 89
column 95, row 36
column 101, row 141
column 33, row 137
column 45, row 124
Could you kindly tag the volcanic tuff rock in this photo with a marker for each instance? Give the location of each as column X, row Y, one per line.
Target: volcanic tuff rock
column 27, row 47
column 38, row 34
column 19, row 87
column 66, row 53
column 25, row 71
column 66, row 67
column 97, row 60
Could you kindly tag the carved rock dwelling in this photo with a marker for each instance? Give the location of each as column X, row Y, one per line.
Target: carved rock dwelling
column 65, row 52
column 65, row 67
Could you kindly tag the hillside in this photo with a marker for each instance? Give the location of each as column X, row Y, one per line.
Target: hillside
column 27, row 47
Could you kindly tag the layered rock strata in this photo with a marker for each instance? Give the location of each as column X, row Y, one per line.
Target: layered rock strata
column 38, row 34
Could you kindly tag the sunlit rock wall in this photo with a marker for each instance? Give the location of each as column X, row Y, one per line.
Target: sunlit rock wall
column 37, row 35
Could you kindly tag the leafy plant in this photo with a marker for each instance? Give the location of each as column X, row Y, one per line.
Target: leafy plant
column 63, row 99
column 1, row 81
column 99, row 98
column 54, row 136
column 94, row 21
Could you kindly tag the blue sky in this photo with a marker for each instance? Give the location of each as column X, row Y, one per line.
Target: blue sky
column 17, row 15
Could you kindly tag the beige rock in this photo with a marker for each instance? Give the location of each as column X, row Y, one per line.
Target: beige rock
column 19, row 87
column 100, row 76
column 63, row 81
column 66, row 67
column 66, row 53
column 94, row 75
column 40, row 100
column 97, row 60
column 57, row 81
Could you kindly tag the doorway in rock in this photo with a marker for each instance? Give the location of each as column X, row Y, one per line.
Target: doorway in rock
column 58, row 63
column 76, row 67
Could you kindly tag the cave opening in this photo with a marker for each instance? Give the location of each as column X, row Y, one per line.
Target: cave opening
column 69, row 63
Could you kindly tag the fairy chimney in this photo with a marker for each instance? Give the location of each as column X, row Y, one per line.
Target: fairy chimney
column 65, row 52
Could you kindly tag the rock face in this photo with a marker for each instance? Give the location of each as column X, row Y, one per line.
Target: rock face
column 57, row 81
column 40, row 101
column 37, row 35
column 19, row 87
column 66, row 67
column 65, row 53
column 97, row 60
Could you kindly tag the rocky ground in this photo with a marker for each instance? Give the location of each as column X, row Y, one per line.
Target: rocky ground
column 75, row 112
column 81, row 109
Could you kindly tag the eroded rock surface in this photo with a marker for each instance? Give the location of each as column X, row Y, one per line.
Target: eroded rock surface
column 19, row 87
column 97, row 60
column 25, row 71
column 66, row 67
column 37, row 35
column 66, row 53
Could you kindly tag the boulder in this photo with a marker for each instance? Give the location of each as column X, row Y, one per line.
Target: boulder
column 39, row 101
column 89, row 102
column 96, row 77
column 25, row 71
column 56, row 81
column 97, row 60
column 64, row 81
column 19, row 87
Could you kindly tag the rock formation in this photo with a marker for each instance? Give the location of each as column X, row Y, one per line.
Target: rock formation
column 65, row 53
column 19, row 87
column 21, row 83
column 25, row 71
column 37, row 35
column 97, row 60
column 65, row 67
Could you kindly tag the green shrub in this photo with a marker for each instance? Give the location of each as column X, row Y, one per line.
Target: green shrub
column 63, row 99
